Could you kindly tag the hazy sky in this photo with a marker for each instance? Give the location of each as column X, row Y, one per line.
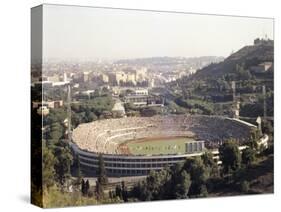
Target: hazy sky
column 92, row 33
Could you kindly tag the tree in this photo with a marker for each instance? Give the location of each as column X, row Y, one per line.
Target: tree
column 242, row 74
column 87, row 187
column 153, row 183
column 248, row 156
column 102, row 178
column 267, row 127
column 207, row 159
column 157, row 186
column 83, row 191
column 181, row 189
column 254, row 136
column 111, row 194
column 76, row 170
column 169, row 183
column 99, row 190
column 118, row 191
column 57, row 115
column 245, row 186
column 124, row 192
column 76, row 118
column 199, row 174
column 230, row 156
column 64, row 161
column 48, row 167
column 211, row 164
column 56, row 132
column 91, row 116
column 203, row 191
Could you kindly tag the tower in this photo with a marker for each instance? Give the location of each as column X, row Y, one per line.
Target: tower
column 258, row 121
column 237, row 107
column 69, row 134
column 233, row 86
column 236, row 102
column 64, row 77
column 264, row 102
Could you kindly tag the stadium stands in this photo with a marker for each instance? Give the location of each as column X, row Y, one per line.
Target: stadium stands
column 105, row 136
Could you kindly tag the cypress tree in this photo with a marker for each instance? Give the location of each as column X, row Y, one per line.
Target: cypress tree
column 99, row 190
column 102, row 178
column 118, row 191
column 83, row 187
column 87, row 187
column 124, row 192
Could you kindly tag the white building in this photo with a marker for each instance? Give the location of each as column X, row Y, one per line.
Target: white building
column 140, row 92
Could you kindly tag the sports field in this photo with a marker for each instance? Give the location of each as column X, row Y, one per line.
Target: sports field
column 158, row 146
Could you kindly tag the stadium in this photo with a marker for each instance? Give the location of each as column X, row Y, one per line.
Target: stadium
column 133, row 146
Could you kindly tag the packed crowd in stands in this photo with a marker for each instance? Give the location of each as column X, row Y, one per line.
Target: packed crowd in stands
column 105, row 136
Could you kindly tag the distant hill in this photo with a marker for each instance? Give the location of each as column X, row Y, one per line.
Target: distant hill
column 170, row 60
column 247, row 56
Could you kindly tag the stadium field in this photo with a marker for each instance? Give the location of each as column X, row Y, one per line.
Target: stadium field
column 158, row 146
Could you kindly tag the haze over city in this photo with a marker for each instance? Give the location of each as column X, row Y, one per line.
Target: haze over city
column 95, row 33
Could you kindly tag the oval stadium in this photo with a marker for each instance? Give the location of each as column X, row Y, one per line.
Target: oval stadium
column 133, row 146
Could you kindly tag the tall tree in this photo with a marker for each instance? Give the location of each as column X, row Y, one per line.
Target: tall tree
column 230, row 156
column 83, row 187
column 199, row 175
column 48, row 167
column 196, row 168
column 87, row 187
column 211, row 164
column 248, row 156
column 181, row 188
column 76, row 170
column 169, row 183
column 118, row 191
column 253, row 141
column 99, row 190
column 102, row 178
column 64, row 161
column 124, row 192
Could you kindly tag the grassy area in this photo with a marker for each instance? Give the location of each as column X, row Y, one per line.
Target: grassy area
column 157, row 146
column 54, row 198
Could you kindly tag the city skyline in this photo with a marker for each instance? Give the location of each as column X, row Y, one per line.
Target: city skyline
column 125, row 34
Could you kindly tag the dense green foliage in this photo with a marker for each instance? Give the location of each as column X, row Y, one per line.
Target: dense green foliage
column 48, row 169
column 209, row 90
column 91, row 110
column 186, row 180
column 230, row 156
column 165, row 184
column 248, row 156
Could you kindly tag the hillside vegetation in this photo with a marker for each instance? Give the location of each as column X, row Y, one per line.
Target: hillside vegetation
column 210, row 90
